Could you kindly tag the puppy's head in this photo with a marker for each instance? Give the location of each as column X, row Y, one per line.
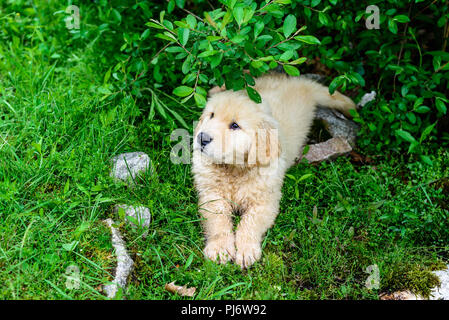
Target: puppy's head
column 235, row 130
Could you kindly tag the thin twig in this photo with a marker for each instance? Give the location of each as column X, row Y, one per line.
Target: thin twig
column 404, row 41
column 285, row 40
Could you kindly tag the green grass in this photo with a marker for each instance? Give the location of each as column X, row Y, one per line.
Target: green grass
column 57, row 136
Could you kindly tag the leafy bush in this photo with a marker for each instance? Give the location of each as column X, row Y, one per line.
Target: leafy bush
column 187, row 47
column 240, row 36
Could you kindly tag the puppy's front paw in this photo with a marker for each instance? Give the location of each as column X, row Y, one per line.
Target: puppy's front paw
column 248, row 252
column 221, row 249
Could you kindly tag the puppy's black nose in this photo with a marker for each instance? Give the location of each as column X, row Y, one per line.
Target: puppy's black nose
column 204, row 139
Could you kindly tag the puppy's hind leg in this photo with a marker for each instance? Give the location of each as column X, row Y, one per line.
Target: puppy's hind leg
column 220, row 240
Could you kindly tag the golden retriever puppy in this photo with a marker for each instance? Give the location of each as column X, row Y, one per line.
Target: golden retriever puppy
column 241, row 152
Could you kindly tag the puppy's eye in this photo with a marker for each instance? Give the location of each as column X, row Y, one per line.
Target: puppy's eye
column 234, row 126
column 212, row 115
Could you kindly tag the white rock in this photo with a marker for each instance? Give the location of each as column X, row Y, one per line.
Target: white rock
column 337, row 124
column 438, row 293
column 328, row 149
column 401, row 295
column 124, row 262
column 140, row 213
column 441, row 292
column 127, row 166
column 367, row 97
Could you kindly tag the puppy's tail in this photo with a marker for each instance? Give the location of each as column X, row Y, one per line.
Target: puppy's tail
column 322, row 97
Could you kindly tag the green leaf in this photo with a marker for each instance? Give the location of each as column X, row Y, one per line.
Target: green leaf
column 191, row 21
column 239, row 38
column 308, row 39
column 401, row 18
column 210, row 20
column 145, row 34
column 411, row 117
column 208, row 53
column 199, row 99
column 66, row 187
column 305, row 150
column 253, row 94
column 183, row 35
column 385, row 108
column 168, row 24
column 70, row 246
column 160, row 108
column 179, row 118
column 215, row 60
column 107, row 76
column 265, row 37
column 258, row 28
column 175, row 49
column 249, row 13
column 436, row 62
column 238, row 14
column 186, row 65
column 418, row 102
column 154, row 25
column 392, row 26
column 166, row 36
column 181, row 24
column 287, row 55
column 422, row 109
column 323, row 18
column 426, row 159
column 213, row 38
column 406, row 135
column 291, row 70
column 132, row 219
column 267, row 58
column 189, row 261
column 256, row 64
column 426, row 132
column 441, row 106
column 304, row 177
column 335, row 84
column 289, row 25
column 180, row 3
column 183, row 91
column 117, row 15
column 171, row 6
column 298, row 61
column 226, row 19
column 249, row 80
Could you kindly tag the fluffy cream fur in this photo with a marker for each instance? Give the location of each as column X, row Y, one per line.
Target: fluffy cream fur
column 242, row 169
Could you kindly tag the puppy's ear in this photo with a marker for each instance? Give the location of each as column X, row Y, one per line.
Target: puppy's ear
column 265, row 146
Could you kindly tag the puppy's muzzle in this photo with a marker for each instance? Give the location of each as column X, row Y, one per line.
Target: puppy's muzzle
column 204, row 139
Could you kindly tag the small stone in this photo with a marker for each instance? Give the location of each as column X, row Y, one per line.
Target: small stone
column 401, row 295
column 140, row 213
column 337, row 124
column 327, row 150
column 182, row 291
column 127, row 166
column 367, row 97
column 124, row 262
column 441, row 292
